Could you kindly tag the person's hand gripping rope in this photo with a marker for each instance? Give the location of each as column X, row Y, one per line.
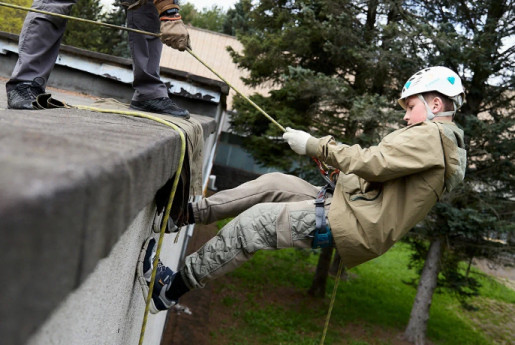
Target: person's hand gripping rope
column 297, row 140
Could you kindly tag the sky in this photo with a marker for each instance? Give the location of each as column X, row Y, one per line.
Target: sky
column 199, row 4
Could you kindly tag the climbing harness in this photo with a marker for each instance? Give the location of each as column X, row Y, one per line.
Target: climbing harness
column 323, row 236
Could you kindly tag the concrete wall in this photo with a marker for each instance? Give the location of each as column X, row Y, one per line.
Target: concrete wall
column 77, row 195
column 71, row 184
column 108, row 307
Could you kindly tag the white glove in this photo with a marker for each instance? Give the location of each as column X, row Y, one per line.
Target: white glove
column 297, row 140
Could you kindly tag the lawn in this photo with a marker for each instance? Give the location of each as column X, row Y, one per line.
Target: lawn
column 265, row 302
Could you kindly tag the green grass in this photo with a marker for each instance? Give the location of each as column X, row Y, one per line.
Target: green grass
column 269, row 305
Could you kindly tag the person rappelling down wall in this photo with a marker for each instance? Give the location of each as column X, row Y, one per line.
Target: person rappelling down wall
column 380, row 194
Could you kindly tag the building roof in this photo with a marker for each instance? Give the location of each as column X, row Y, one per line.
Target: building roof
column 212, row 48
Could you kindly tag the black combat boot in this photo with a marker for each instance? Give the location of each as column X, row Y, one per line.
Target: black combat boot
column 163, row 105
column 25, row 93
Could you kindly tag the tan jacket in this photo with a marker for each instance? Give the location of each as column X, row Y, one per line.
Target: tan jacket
column 384, row 190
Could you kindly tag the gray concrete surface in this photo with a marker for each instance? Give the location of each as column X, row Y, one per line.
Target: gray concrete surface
column 108, row 307
column 71, row 183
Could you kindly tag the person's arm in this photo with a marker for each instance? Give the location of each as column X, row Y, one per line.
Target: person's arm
column 413, row 150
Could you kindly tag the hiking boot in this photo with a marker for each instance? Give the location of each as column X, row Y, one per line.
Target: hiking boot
column 163, row 280
column 22, row 96
column 147, row 256
column 175, row 221
column 163, row 105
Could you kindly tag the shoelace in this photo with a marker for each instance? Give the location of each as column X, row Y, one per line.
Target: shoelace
column 31, row 90
column 160, row 267
column 167, row 101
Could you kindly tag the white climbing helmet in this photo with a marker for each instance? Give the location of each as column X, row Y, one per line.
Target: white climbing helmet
column 438, row 78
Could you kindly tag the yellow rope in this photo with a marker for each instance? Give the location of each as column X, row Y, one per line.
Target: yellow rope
column 331, row 304
column 170, row 199
column 237, row 91
column 112, row 26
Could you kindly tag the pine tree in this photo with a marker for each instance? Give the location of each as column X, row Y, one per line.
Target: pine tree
column 338, row 67
column 11, row 20
column 236, row 19
column 116, row 42
column 85, row 35
column 463, row 225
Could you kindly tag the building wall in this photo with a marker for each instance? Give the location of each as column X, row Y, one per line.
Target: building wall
column 211, row 47
column 108, row 307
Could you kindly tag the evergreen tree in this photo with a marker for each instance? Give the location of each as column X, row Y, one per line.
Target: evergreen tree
column 85, row 35
column 116, row 42
column 98, row 38
column 236, row 19
column 338, row 67
column 463, row 224
column 11, row 20
column 323, row 57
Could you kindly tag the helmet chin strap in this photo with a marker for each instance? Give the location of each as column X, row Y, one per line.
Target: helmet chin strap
column 429, row 113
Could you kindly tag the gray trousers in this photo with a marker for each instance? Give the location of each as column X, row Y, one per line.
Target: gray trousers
column 41, row 36
column 272, row 212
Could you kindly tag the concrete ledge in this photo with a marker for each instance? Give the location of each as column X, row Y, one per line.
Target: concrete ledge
column 71, row 182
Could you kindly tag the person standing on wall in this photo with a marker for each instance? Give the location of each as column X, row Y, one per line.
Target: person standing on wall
column 41, row 36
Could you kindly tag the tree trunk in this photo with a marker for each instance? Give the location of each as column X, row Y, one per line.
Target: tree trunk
column 362, row 71
column 417, row 326
column 317, row 288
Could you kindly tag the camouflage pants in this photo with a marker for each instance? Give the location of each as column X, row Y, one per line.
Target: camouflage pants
column 274, row 211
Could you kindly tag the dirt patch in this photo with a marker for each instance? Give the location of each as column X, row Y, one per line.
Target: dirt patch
column 503, row 273
column 495, row 319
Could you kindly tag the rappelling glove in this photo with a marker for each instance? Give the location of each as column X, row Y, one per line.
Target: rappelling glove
column 173, row 30
column 297, row 140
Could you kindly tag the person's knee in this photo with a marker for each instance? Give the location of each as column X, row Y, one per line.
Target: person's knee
column 255, row 229
column 274, row 180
